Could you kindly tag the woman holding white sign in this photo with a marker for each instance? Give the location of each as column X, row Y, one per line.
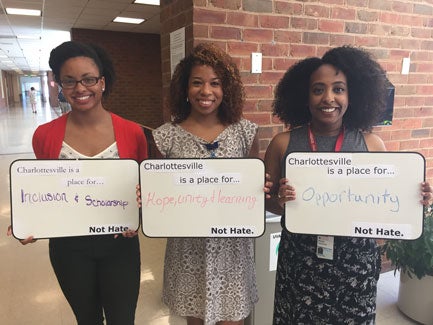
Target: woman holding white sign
column 208, row 280
column 99, row 275
column 330, row 104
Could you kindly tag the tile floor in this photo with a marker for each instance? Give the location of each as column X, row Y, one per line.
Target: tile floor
column 29, row 291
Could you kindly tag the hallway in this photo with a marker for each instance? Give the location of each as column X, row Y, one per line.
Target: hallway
column 30, row 293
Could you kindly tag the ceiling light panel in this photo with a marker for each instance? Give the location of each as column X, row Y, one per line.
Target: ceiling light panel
column 128, row 20
column 25, row 12
column 147, row 2
column 33, row 37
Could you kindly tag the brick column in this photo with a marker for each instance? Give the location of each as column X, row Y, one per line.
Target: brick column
column 175, row 14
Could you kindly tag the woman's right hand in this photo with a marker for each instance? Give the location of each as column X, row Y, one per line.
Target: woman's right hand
column 28, row 240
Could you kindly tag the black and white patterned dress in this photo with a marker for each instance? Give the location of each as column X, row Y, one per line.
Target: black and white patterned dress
column 212, row 279
column 310, row 290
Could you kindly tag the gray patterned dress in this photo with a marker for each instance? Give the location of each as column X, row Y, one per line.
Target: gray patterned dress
column 212, row 279
column 310, row 290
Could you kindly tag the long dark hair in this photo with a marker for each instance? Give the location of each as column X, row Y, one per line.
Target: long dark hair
column 366, row 84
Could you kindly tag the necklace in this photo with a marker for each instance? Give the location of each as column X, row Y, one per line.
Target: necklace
column 211, row 147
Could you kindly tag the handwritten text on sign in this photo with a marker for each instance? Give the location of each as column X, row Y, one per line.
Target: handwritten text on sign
column 202, row 197
column 364, row 194
column 57, row 198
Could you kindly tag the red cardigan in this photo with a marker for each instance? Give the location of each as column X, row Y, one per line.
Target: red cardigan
column 130, row 139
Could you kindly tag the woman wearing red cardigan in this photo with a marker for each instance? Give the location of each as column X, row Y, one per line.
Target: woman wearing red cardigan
column 99, row 275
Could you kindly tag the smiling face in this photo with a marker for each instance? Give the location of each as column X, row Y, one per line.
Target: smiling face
column 328, row 99
column 82, row 97
column 205, row 92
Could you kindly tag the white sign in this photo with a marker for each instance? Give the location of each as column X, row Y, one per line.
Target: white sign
column 202, row 197
column 362, row 194
column 58, row 198
column 177, row 47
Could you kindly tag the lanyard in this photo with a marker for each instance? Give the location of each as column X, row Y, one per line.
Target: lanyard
column 338, row 143
column 325, row 244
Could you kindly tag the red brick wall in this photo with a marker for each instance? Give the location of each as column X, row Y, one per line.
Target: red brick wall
column 285, row 31
column 137, row 59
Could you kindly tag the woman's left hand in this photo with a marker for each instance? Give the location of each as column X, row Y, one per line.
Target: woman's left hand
column 426, row 193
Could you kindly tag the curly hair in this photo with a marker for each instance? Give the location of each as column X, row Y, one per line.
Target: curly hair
column 230, row 110
column 367, row 85
column 366, row 82
column 292, row 93
column 72, row 49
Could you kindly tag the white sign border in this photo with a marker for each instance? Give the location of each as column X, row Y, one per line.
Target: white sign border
column 219, row 221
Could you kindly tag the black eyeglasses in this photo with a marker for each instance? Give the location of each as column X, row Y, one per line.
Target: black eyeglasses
column 86, row 82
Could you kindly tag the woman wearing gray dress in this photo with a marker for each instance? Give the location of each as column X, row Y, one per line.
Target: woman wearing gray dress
column 208, row 280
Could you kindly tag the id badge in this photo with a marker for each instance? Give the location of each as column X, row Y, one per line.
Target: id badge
column 325, row 247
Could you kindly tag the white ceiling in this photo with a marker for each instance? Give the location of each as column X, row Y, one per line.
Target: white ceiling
column 55, row 23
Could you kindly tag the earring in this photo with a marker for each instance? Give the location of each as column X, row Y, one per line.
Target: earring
column 103, row 89
column 187, row 100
